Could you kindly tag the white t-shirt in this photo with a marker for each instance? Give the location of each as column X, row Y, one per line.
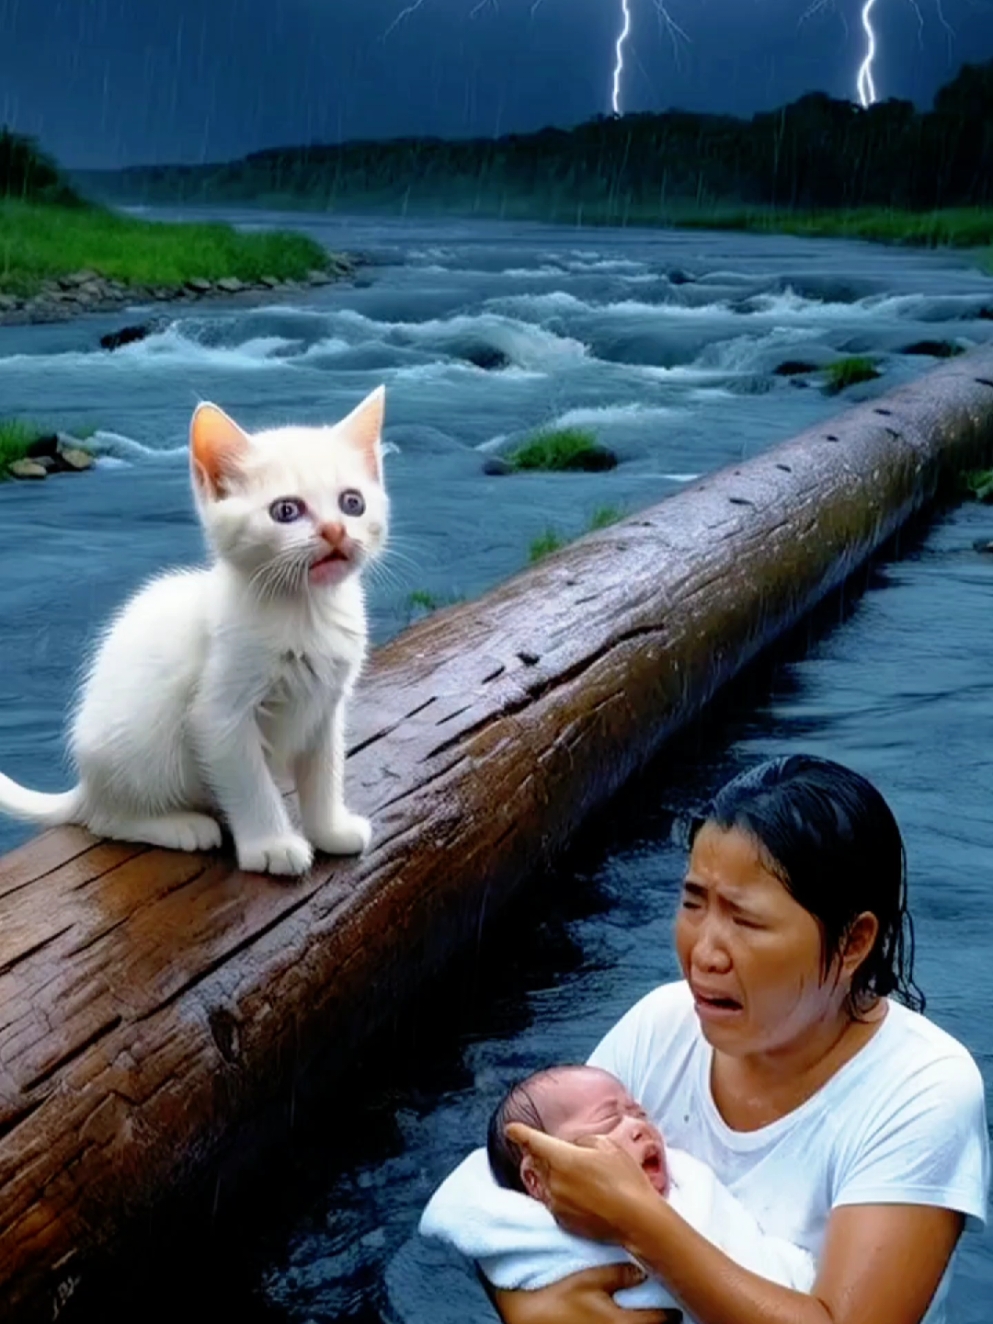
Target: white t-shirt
column 903, row 1122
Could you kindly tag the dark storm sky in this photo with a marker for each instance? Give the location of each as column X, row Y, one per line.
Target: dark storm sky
column 106, row 82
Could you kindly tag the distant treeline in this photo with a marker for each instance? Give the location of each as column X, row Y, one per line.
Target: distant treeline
column 27, row 173
column 816, row 153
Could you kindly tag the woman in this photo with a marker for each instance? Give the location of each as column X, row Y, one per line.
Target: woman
column 795, row 1061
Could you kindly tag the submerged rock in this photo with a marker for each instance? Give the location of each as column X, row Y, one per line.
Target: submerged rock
column 43, row 448
column 935, row 349
column 126, row 336
column 595, row 460
column 794, row 368
column 487, row 357
column 494, row 467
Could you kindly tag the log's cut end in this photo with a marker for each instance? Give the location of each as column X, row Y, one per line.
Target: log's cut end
column 150, row 1000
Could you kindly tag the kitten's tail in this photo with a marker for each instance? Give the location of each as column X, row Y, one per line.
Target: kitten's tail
column 37, row 807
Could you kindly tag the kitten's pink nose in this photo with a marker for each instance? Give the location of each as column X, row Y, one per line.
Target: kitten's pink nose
column 333, row 534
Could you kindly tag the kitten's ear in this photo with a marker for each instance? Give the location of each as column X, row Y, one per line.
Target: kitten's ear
column 217, row 444
column 364, row 428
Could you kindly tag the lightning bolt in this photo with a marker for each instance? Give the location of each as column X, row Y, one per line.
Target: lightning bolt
column 619, row 55
column 865, row 86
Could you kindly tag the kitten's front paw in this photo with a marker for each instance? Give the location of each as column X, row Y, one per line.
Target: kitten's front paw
column 286, row 855
column 350, row 834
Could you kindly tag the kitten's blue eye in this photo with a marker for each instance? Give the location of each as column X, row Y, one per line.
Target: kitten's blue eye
column 352, row 502
column 287, row 509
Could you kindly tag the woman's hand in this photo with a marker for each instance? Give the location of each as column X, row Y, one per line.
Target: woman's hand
column 594, row 1189
column 582, row 1298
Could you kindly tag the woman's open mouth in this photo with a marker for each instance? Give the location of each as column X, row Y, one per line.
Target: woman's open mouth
column 714, row 1005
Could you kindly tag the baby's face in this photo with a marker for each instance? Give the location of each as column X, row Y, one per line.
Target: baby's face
column 591, row 1102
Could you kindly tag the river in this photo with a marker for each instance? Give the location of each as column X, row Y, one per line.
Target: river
column 666, row 345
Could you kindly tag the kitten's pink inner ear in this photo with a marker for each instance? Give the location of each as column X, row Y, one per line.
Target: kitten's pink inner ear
column 364, row 428
column 217, row 444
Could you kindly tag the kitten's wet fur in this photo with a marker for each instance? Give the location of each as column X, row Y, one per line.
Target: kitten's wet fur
column 211, row 684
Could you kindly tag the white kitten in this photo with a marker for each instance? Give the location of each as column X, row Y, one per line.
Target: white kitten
column 212, row 683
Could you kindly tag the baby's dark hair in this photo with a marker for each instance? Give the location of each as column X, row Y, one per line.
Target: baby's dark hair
column 519, row 1104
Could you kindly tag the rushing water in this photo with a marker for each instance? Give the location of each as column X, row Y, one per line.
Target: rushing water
column 666, row 345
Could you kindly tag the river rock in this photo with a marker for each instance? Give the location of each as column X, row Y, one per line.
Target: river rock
column 27, row 469
column 230, row 284
column 76, row 278
column 199, row 286
column 487, row 357
column 126, row 336
column 8, row 302
column 935, row 349
column 75, row 459
column 316, row 277
column 794, row 368
column 495, row 467
column 46, row 447
column 595, row 460
column 270, row 282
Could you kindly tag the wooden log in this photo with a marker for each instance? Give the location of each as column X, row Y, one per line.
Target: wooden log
column 149, row 1000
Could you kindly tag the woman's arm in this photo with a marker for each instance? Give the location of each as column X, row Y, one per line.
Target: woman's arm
column 881, row 1264
column 582, row 1298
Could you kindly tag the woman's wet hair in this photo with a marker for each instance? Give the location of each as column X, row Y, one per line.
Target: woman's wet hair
column 832, row 840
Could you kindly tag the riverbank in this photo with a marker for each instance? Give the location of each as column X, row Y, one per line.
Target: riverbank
column 58, row 262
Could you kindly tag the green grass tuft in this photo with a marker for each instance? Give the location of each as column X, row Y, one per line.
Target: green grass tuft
column 978, row 483
column 15, row 438
column 39, row 243
column 604, row 516
column 847, row 372
column 422, row 602
column 554, row 450
column 546, row 543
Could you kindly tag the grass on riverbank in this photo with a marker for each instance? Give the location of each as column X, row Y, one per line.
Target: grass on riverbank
column 39, row 243
column 954, row 227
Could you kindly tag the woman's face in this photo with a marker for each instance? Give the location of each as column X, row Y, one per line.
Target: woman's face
column 750, row 953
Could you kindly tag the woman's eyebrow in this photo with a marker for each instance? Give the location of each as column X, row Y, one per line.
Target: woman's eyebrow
column 732, row 898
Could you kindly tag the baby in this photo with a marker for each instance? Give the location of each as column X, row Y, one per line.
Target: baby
column 484, row 1210
column 572, row 1103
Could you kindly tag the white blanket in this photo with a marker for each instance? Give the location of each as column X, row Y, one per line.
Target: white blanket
column 518, row 1244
